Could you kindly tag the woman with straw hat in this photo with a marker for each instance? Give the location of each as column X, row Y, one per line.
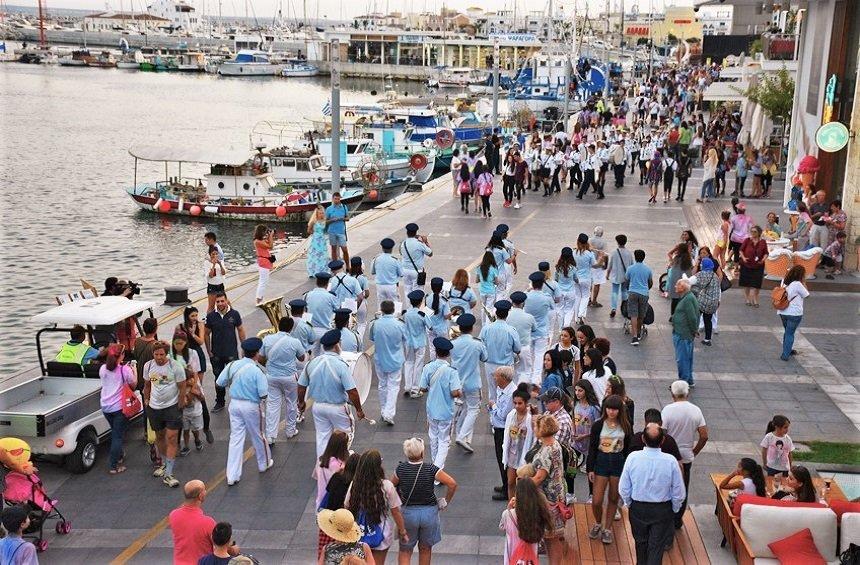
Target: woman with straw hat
column 340, row 525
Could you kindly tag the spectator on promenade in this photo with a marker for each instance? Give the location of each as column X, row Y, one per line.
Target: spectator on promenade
column 191, row 528
column 414, row 479
column 518, row 437
column 684, row 421
column 263, row 243
column 14, row 550
column 708, row 295
column 615, row 385
column 685, row 323
column 836, row 220
column 318, row 258
column 164, row 397
column 499, row 409
column 595, row 372
column 653, row 489
column 335, row 494
column 798, row 487
column 616, row 272
column 549, row 476
column 680, row 265
column 114, row 376
column 223, row 325
column 524, row 522
column 740, row 231
column 604, row 346
column 640, row 280
column 223, row 546
column 215, row 271
column 776, row 447
column 336, row 217
column 598, row 268
column 833, row 258
column 747, row 478
column 753, row 254
column 346, row 544
column 818, row 211
column 330, row 462
column 669, row 445
column 196, row 331
column 800, row 234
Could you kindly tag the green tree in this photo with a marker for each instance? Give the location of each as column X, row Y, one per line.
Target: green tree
column 774, row 93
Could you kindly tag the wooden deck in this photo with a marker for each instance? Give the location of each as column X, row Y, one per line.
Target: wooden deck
column 689, row 549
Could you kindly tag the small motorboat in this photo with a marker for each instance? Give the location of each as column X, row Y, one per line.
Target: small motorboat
column 297, row 68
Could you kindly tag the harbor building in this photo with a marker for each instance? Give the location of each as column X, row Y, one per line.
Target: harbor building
column 117, row 21
column 181, row 15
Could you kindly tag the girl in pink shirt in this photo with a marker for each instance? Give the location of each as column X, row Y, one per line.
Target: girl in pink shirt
column 114, row 376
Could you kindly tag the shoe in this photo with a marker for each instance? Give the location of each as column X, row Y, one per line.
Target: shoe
column 465, row 445
column 612, row 313
column 217, row 408
column 467, row 212
column 597, row 304
column 692, row 385
column 500, row 488
column 601, row 197
column 706, row 342
column 607, row 537
column 159, row 471
column 829, row 277
column 517, row 206
column 291, row 435
column 617, row 514
column 170, row 481
column 231, row 483
column 595, row 531
column 389, row 421
column 793, row 352
column 489, row 214
column 699, row 200
column 416, row 394
column 300, row 418
column 569, row 498
column 184, row 451
column 635, row 341
column 269, row 465
column 210, row 437
column 500, row 496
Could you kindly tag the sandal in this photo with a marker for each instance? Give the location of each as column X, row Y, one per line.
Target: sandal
column 118, row 470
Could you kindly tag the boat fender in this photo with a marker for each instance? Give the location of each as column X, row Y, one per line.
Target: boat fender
column 427, row 143
column 210, row 209
column 445, row 138
column 157, row 205
column 181, row 206
column 418, row 161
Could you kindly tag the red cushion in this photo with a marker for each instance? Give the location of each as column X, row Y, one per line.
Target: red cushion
column 765, row 501
column 797, row 549
column 843, row 506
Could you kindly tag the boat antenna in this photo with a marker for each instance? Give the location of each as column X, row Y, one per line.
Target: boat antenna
column 42, row 10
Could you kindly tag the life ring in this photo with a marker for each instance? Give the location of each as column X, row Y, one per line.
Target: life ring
column 445, row 138
column 257, row 163
column 418, row 161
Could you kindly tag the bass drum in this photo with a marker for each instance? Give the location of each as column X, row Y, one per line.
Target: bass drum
column 361, row 368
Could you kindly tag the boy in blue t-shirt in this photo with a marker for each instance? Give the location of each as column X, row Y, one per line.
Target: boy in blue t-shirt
column 640, row 280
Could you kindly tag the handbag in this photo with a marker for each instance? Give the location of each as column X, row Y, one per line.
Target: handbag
column 564, row 510
column 850, row 556
column 422, row 275
column 272, row 258
column 131, row 405
column 725, row 283
column 530, row 454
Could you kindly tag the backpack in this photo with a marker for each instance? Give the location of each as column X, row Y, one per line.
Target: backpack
column 524, row 554
column 779, row 298
column 371, row 534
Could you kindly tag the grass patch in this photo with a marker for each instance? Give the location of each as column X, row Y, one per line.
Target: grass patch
column 829, row 452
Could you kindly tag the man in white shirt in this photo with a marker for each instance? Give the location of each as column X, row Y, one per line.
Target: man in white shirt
column 684, row 421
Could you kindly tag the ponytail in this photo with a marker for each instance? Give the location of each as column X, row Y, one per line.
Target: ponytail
column 111, row 362
column 778, row 421
column 756, row 474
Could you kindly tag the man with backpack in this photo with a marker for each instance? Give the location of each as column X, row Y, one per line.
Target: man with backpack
column 13, row 549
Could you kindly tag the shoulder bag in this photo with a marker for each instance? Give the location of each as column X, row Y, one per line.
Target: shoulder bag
column 422, row 274
column 417, row 476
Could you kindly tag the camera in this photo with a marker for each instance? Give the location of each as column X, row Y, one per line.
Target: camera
column 123, row 288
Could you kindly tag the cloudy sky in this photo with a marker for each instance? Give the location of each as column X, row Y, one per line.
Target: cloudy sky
column 345, row 9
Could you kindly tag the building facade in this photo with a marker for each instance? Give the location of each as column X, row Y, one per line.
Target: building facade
column 181, row 15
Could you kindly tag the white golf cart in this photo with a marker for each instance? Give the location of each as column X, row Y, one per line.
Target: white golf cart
column 59, row 412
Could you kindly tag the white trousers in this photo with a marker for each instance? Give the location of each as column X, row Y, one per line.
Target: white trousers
column 410, row 281
column 282, row 391
column 389, row 388
column 507, row 274
column 489, row 369
column 523, row 367
column 328, row 418
column 539, row 347
column 246, row 417
column 568, row 307
column 818, row 236
column 361, row 320
column 318, row 333
column 412, row 368
column 431, row 335
column 468, row 415
column 583, row 294
column 488, row 300
column 386, row 292
column 440, row 440
column 263, row 281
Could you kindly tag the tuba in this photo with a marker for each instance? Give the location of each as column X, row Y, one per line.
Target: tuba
column 454, row 329
column 274, row 312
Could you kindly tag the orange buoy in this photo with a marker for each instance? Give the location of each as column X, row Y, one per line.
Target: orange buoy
column 195, row 210
column 164, row 206
column 373, row 195
column 281, row 211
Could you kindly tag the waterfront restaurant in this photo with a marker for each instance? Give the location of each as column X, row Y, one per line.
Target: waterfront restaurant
column 433, row 48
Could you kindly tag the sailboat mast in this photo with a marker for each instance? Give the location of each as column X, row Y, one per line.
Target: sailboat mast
column 42, row 41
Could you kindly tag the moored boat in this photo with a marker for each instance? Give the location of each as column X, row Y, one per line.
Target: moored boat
column 236, row 187
column 249, row 63
column 297, row 68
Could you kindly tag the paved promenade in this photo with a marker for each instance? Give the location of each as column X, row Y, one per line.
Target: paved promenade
column 741, row 383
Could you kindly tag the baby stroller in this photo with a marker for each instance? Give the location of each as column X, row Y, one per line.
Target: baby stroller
column 647, row 321
column 28, row 490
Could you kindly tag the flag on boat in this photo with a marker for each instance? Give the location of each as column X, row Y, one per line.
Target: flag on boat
column 326, row 109
column 3, row 47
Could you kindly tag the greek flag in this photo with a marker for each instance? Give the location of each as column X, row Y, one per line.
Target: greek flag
column 326, row 109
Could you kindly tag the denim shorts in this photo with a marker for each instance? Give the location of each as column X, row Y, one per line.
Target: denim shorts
column 608, row 464
column 337, row 239
column 422, row 525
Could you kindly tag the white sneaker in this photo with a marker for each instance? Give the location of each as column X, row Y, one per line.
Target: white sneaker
column 465, row 445
column 569, row 498
column 269, row 465
column 517, row 206
column 293, row 434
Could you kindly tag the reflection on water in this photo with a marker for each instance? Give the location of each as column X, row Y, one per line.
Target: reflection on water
column 64, row 214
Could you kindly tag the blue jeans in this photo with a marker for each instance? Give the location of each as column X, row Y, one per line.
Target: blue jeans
column 117, row 423
column 684, row 357
column 617, row 288
column 790, row 323
column 707, row 188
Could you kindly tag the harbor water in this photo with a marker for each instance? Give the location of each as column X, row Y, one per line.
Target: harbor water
column 64, row 167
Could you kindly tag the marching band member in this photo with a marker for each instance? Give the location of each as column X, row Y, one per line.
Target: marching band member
column 553, row 290
column 539, row 305
column 279, row 354
column 417, row 326
column 329, row 382
column 356, row 269
column 388, row 335
column 526, row 326
column 388, row 272
column 343, row 285
column 503, row 342
column 248, row 391
column 349, row 339
column 437, row 302
column 321, row 304
column 302, row 330
column 441, row 383
column 414, row 249
column 465, row 356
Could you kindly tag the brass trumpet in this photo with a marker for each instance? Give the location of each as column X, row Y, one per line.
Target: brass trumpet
column 274, row 310
column 454, row 329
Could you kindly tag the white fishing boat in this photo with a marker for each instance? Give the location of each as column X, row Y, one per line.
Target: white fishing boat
column 457, row 77
column 249, row 63
column 77, row 58
column 296, row 68
column 190, row 62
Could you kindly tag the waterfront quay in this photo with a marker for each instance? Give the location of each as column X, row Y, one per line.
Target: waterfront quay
column 741, row 384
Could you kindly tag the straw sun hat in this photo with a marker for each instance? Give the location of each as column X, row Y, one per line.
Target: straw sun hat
column 339, row 525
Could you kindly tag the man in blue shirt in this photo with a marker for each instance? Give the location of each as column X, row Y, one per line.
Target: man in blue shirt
column 525, row 325
column 302, row 330
column 539, row 305
column 640, row 280
column 223, row 324
column 321, row 305
column 343, row 285
column 14, row 550
column 388, row 335
column 328, row 380
column 417, row 325
column 280, row 354
column 442, row 385
column 248, row 390
column 388, row 272
column 468, row 352
column 414, row 249
column 503, row 342
column 336, row 216
column 653, row 489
